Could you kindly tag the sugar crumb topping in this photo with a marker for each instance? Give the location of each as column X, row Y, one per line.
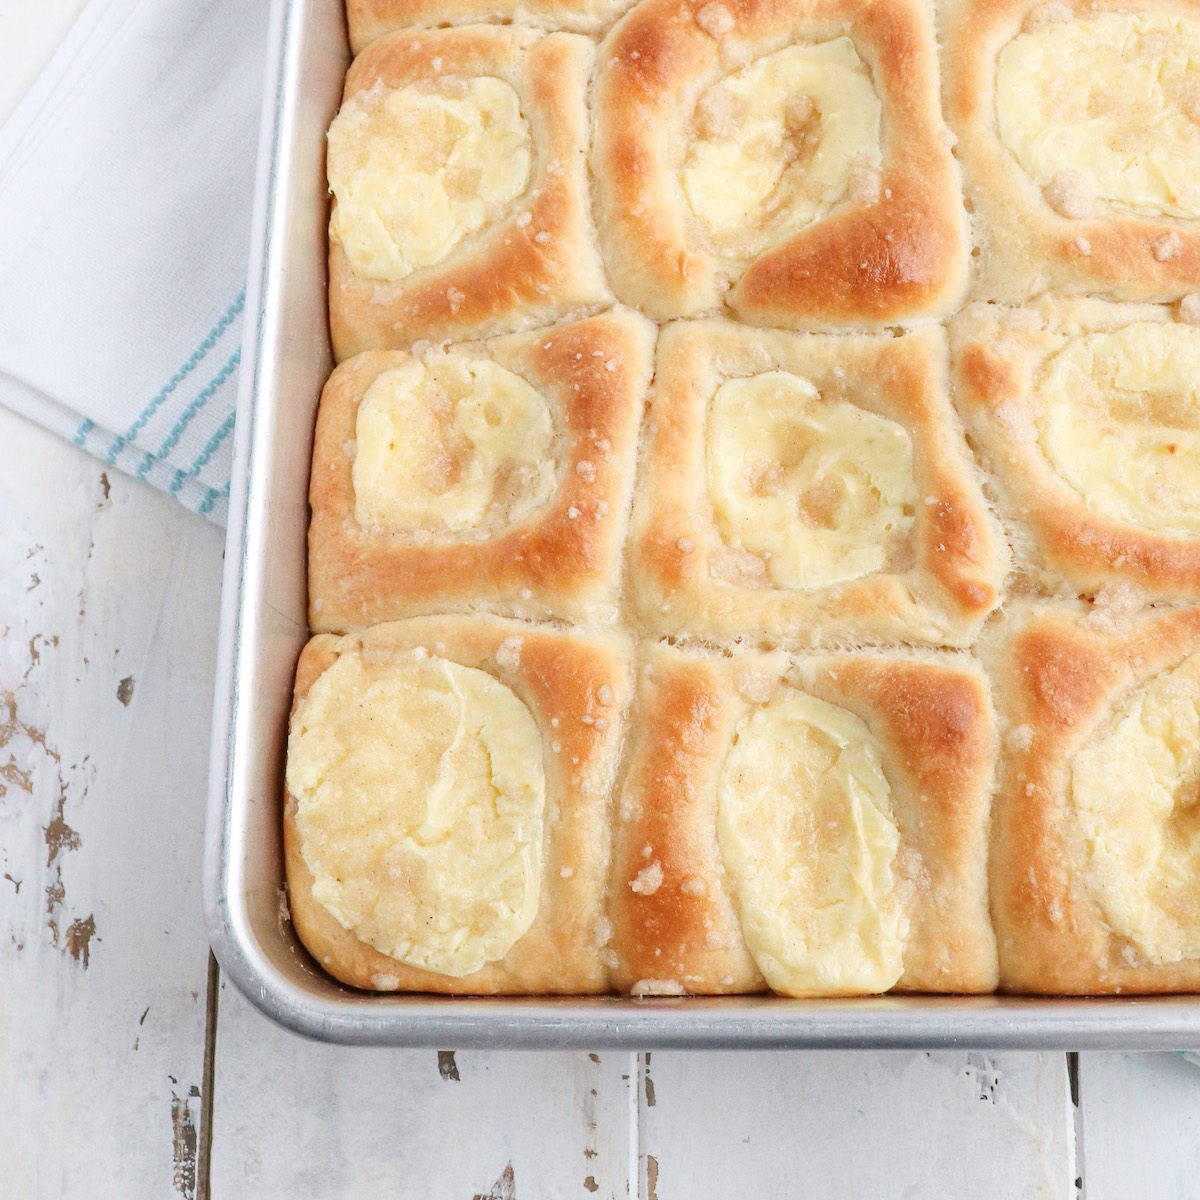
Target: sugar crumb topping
column 715, row 19
column 508, row 654
column 720, row 113
column 1167, row 246
column 1020, row 737
column 1016, row 425
column 756, row 687
column 1053, row 13
column 648, row 880
column 864, row 185
column 658, row 987
column 1115, row 606
column 1071, row 195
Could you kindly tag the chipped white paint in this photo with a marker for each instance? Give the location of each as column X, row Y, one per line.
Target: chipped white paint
column 103, row 956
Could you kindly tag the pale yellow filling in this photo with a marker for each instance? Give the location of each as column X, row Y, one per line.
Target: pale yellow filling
column 1119, row 419
column 451, row 444
column 419, row 803
column 776, row 142
column 819, row 489
column 417, row 169
column 805, row 831
column 1136, row 794
column 1115, row 98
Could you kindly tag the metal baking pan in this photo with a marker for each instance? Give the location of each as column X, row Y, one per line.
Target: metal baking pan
column 286, row 359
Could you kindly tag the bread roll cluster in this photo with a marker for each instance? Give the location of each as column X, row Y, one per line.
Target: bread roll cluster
column 755, row 530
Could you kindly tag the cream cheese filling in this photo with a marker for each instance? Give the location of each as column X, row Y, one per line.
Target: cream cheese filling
column 420, row 801
column 805, row 830
column 1136, row 793
column 1118, row 417
column 417, row 169
column 820, row 490
column 1113, row 98
column 775, row 144
column 451, row 444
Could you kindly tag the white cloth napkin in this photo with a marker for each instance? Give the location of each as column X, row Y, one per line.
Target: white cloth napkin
column 126, row 182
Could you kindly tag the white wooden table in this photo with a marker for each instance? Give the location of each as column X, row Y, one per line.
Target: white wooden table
column 129, row 1070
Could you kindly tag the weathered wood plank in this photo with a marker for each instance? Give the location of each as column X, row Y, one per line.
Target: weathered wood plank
column 297, row 1120
column 855, row 1124
column 108, row 603
column 1139, row 1126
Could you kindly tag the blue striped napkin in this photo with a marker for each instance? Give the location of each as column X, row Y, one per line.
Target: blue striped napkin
column 126, row 182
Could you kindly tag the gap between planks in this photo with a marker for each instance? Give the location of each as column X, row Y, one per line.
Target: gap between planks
column 1075, row 1126
column 204, row 1150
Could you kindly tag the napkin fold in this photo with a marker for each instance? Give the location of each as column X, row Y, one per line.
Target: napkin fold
column 126, row 185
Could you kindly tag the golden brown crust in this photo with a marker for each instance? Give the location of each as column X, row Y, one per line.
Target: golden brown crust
column 932, row 717
column 576, row 689
column 677, row 937
column 370, row 19
column 899, row 259
column 504, row 278
column 593, row 374
column 959, row 564
column 1025, row 247
column 1056, row 675
column 1062, row 543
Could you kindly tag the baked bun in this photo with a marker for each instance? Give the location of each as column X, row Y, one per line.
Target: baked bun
column 491, row 477
column 787, row 159
column 1088, row 416
column 818, row 825
column 1095, row 866
column 458, row 168
column 808, row 489
column 369, row 19
column 446, row 823
column 1078, row 125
